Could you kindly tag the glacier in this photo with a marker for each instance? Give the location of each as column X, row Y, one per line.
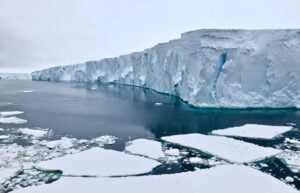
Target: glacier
column 211, row 68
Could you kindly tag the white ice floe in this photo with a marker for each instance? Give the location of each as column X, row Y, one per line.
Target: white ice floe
column 145, row 147
column 10, row 113
column 63, row 143
column 254, row 131
column 12, row 120
column 208, row 162
column 172, row 152
column 2, row 137
column 105, row 139
column 226, row 148
column 227, row 178
column 34, row 133
column 198, row 160
column 28, row 91
column 158, row 104
column 100, row 162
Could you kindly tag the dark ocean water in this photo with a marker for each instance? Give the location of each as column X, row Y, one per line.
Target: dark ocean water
column 87, row 111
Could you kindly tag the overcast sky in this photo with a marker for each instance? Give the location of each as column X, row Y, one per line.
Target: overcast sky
column 36, row 34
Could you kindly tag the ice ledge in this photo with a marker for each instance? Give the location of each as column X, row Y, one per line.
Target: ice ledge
column 261, row 69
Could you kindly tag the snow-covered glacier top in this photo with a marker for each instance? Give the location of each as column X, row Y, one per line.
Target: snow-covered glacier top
column 206, row 68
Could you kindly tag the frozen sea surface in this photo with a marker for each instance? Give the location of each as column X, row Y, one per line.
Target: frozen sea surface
column 229, row 179
column 100, row 162
column 232, row 150
column 254, row 131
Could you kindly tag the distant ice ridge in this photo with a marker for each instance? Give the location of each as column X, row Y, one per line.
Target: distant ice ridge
column 206, row 68
column 14, row 76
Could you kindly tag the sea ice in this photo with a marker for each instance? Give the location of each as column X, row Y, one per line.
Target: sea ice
column 254, row 131
column 2, row 137
column 63, row 143
column 100, row 162
column 145, row 147
column 12, row 120
column 28, row 91
column 10, row 113
column 105, row 139
column 225, row 148
column 225, row 178
column 5, row 174
column 34, row 133
column 172, row 152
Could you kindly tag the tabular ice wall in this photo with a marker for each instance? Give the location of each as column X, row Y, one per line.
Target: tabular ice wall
column 206, row 68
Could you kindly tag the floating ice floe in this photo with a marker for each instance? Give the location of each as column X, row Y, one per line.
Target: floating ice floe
column 10, row 113
column 3, row 137
column 12, row 120
column 28, row 91
column 34, row 133
column 225, row 148
column 145, row 147
column 226, row 178
column 100, row 162
column 63, row 143
column 172, row 152
column 15, row 157
column 158, row 104
column 207, row 162
column 105, row 139
column 254, row 131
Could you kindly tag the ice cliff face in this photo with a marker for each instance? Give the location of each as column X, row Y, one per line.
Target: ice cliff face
column 206, row 68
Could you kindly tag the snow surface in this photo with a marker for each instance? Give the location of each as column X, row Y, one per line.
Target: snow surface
column 100, row 162
column 254, row 131
column 145, row 147
column 206, row 68
column 10, row 113
column 225, row 148
column 12, row 120
column 229, row 179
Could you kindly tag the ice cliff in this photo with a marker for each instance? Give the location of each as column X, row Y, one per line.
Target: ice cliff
column 206, row 68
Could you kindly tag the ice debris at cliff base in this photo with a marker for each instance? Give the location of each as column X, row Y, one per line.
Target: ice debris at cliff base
column 254, row 131
column 225, row 148
column 234, row 178
column 206, row 68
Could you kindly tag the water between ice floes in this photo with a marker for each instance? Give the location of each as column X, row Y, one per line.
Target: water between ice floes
column 88, row 111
